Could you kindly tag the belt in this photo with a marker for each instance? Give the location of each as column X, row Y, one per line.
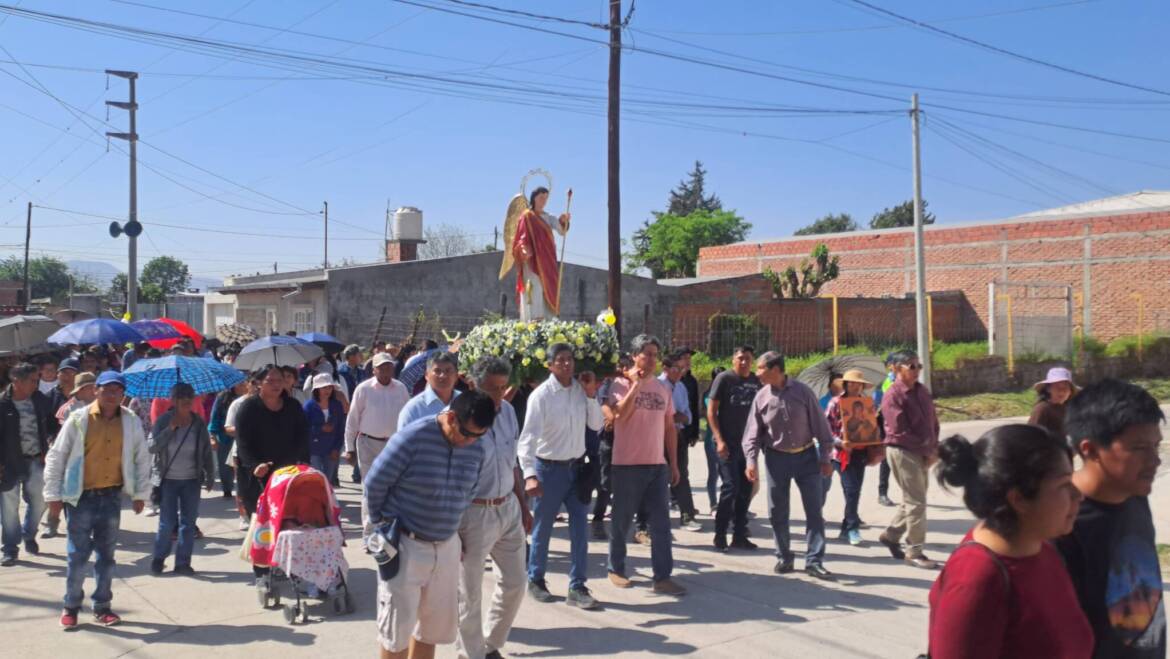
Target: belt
column 559, row 462
column 418, row 538
column 102, row 491
column 377, row 439
column 490, row 502
column 792, row 451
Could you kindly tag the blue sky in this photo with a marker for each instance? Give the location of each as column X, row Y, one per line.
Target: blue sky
column 300, row 136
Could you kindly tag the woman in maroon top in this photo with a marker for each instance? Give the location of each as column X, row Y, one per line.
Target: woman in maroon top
column 1005, row 591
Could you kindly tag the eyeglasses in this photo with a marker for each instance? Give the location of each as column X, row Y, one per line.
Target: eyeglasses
column 913, row 367
column 468, row 434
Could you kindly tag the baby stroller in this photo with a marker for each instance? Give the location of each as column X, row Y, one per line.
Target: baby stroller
column 297, row 532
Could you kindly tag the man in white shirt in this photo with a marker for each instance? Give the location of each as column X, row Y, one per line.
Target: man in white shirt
column 552, row 446
column 495, row 525
column 373, row 418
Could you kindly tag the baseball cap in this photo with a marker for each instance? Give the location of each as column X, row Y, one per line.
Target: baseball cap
column 111, row 377
column 382, row 358
column 71, row 362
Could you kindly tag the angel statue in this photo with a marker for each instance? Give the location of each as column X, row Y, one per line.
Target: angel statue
column 531, row 247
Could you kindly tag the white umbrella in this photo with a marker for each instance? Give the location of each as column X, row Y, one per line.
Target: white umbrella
column 278, row 351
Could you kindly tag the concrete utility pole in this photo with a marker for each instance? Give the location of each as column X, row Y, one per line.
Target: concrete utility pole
column 615, row 193
column 27, row 240
column 326, row 211
column 919, row 253
column 133, row 228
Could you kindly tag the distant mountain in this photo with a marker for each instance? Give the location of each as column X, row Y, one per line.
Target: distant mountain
column 102, row 274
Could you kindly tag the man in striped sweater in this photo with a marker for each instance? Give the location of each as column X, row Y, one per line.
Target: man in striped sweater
column 424, row 479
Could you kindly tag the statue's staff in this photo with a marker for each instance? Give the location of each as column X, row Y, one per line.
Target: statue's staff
column 564, row 240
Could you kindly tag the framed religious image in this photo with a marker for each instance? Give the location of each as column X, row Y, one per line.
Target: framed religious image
column 859, row 421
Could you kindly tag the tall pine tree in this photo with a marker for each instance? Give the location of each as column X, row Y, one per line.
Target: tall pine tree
column 689, row 196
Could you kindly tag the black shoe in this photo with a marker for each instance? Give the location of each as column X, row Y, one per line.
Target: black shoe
column 539, row 591
column 32, row 547
column 785, row 566
column 721, row 543
column 8, row 560
column 817, row 570
column 494, row 654
column 743, row 543
column 228, row 495
column 599, row 532
column 156, row 566
column 893, row 546
column 185, row 570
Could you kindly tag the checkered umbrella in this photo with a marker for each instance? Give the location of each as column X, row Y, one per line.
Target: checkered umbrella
column 153, row 378
column 237, row 332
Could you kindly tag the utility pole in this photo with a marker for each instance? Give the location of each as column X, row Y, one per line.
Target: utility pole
column 133, row 227
column 326, row 211
column 495, row 238
column 615, row 195
column 919, row 252
column 27, row 239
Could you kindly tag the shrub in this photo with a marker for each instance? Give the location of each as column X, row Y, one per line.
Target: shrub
column 731, row 330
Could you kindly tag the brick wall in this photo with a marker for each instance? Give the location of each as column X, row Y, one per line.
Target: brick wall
column 1119, row 255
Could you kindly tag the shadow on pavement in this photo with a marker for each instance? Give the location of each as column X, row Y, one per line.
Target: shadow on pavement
column 196, row 635
column 606, row 640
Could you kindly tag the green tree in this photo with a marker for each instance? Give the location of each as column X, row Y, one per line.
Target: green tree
column 901, row 215
column 669, row 246
column 690, row 195
column 162, row 276
column 48, row 276
column 838, row 223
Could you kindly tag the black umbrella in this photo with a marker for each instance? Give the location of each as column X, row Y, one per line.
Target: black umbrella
column 818, row 375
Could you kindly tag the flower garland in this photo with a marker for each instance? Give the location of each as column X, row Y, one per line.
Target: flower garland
column 525, row 345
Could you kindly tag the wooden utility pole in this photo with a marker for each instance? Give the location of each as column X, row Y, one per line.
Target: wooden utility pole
column 615, row 195
column 27, row 240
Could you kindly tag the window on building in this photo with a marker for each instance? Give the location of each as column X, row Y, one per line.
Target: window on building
column 303, row 320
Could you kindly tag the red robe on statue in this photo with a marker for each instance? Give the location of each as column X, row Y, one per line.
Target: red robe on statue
column 535, row 234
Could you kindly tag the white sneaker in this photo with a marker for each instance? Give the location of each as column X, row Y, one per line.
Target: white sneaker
column 244, row 524
column 692, row 525
column 151, row 512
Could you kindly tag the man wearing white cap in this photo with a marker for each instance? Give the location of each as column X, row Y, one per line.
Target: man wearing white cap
column 373, row 418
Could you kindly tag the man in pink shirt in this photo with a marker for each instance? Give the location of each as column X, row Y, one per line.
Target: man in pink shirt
column 644, row 431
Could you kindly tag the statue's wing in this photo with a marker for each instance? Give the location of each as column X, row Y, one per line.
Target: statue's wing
column 516, row 207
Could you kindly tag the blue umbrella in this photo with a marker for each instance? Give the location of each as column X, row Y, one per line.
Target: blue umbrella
column 153, row 378
column 155, row 330
column 327, row 342
column 96, row 330
column 276, row 350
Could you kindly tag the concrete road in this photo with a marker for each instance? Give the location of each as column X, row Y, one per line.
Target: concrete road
column 736, row 606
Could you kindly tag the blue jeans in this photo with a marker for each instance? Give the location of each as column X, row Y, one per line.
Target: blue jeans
column 712, row 471
column 92, row 527
column 559, row 483
column 179, row 507
column 325, row 465
column 227, row 475
column 634, row 487
column 805, row 469
column 851, row 480
column 31, row 488
column 735, row 493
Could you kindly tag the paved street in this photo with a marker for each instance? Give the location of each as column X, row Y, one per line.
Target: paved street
column 736, row 607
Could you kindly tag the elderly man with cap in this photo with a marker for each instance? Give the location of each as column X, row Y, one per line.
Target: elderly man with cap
column 83, row 393
column 99, row 455
column 60, row 395
column 373, row 418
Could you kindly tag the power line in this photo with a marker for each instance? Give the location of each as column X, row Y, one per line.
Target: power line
column 1006, row 52
column 526, row 14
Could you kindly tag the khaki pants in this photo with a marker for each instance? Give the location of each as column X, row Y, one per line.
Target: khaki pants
column 422, row 599
column 912, row 475
column 496, row 531
column 368, row 448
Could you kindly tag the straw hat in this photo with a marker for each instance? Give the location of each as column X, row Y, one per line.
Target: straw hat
column 1057, row 374
column 855, row 375
column 84, row 380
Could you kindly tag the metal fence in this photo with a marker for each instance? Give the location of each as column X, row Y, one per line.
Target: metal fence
column 1031, row 319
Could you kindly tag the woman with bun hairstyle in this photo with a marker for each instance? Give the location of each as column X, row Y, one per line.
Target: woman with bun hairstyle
column 1005, row 592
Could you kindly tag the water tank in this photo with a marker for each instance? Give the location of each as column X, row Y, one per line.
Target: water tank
column 407, row 224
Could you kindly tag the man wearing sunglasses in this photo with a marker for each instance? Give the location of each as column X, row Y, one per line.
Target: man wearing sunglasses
column 424, row 480
column 912, row 435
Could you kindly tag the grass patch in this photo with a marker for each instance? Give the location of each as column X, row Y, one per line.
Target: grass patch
column 997, row 405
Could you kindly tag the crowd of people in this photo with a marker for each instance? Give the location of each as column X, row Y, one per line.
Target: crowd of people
column 469, row 465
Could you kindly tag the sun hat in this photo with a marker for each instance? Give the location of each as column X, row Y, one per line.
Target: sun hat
column 1056, row 374
column 322, row 380
column 855, row 375
column 382, row 358
column 84, row 380
column 110, row 377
